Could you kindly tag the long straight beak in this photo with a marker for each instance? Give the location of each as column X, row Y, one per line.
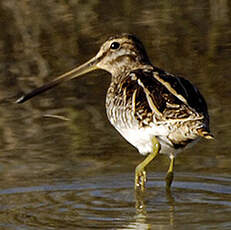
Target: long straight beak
column 80, row 70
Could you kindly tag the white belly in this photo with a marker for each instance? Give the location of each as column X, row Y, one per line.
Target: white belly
column 142, row 139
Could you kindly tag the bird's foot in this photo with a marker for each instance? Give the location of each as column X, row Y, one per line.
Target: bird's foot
column 140, row 179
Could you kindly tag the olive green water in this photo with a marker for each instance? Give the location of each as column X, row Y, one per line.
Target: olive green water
column 77, row 172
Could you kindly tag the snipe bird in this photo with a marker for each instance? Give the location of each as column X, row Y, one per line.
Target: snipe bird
column 155, row 111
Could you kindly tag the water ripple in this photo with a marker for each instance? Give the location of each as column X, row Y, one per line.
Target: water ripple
column 110, row 201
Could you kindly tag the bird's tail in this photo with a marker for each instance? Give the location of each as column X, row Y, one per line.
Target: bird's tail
column 205, row 133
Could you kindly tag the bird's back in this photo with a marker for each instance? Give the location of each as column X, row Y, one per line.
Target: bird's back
column 153, row 100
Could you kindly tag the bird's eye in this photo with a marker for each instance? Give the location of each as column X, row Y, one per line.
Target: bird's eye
column 115, row 45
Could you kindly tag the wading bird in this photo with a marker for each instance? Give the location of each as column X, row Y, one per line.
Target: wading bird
column 155, row 111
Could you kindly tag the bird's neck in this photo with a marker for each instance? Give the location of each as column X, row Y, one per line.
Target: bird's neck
column 121, row 73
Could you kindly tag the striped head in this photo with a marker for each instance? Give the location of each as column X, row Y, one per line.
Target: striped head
column 121, row 54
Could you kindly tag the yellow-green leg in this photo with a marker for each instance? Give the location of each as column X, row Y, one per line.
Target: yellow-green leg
column 170, row 173
column 140, row 173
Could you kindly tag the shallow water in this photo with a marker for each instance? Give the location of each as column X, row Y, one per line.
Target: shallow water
column 75, row 171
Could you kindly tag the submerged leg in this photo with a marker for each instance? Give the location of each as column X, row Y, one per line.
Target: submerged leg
column 170, row 173
column 140, row 174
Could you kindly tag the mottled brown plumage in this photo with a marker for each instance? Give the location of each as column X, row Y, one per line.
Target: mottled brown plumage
column 163, row 106
column 153, row 110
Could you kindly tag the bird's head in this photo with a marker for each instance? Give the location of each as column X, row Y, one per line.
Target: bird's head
column 118, row 55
